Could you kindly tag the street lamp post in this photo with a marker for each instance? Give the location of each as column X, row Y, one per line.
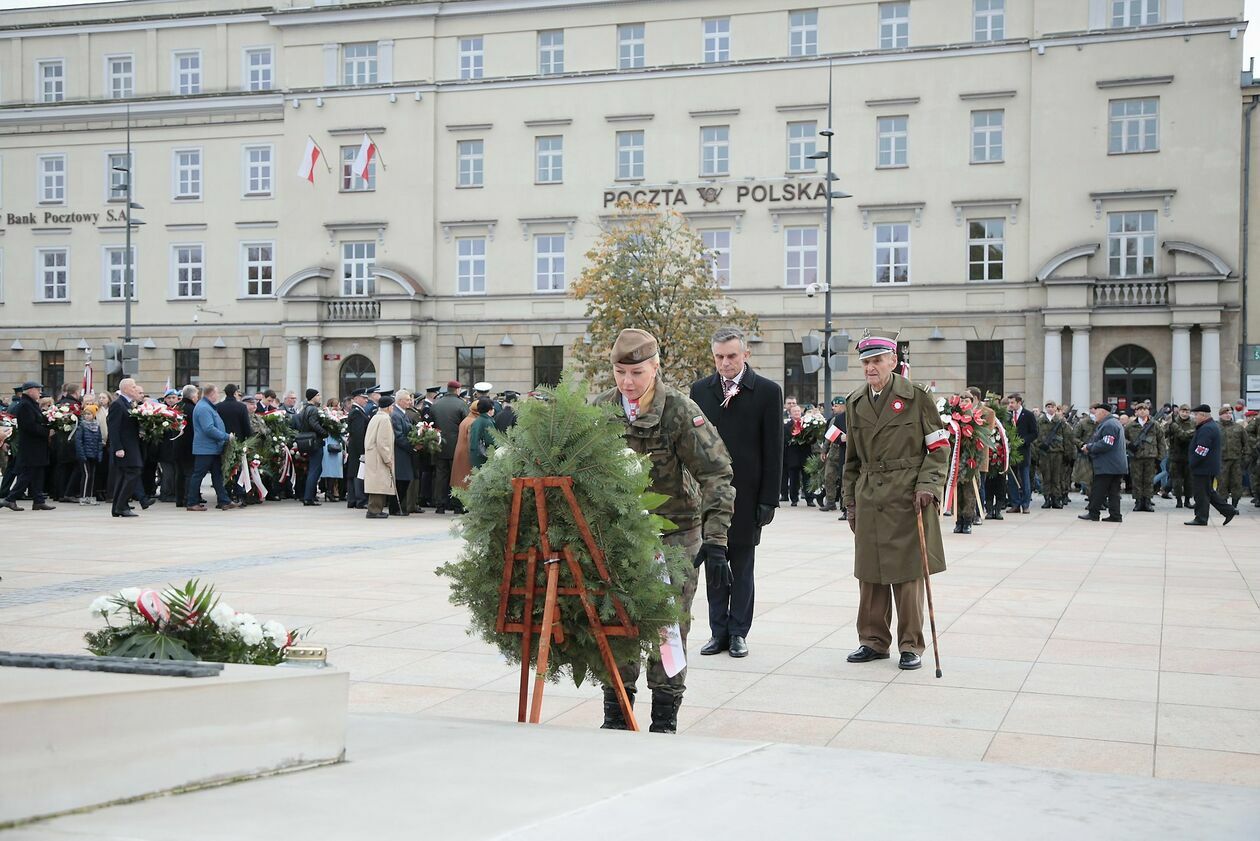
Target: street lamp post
column 128, row 262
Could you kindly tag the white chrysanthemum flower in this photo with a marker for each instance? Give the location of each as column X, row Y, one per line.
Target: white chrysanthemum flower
column 251, row 633
column 129, row 594
column 222, row 615
column 244, row 619
column 101, row 605
column 275, row 632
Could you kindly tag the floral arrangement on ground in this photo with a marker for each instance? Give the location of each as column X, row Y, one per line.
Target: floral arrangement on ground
column 561, row 435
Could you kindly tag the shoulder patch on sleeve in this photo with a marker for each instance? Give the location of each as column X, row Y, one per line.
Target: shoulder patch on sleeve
column 698, row 420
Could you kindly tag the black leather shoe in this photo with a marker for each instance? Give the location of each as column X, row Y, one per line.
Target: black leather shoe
column 1110, row 519
column 1231, row 515
column 11, row 505
column 910, row 661
column 127, row 513
column 380, row 516
column 310, row 502
column 44, row 506
column 1195, row 523
column 1086, row 517
column 715, row 645
column 997, row 514
column 145, row 503
column 1047, row 503
column 739, row 648
column 865, row 654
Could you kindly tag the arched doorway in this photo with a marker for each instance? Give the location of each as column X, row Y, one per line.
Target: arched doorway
column 356, row 372
column 1129, row 376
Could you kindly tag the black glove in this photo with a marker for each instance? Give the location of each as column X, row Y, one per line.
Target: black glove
column 765, row 515
column 717, row 569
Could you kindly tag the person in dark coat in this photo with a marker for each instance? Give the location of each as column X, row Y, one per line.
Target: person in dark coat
column 403, row 451
column 235, row 415
column 1019, row 490
column 33, row 450
column 309, row 428
column 356, row 429
column 835, row 439
column 127, row 449
column 1106, row 449
column 745, row 409
column 448, row 412
column 66, row 481
column 168, row 470
column 505, row 417
column 184, row 445
column 1205, row 464
column 795, row 456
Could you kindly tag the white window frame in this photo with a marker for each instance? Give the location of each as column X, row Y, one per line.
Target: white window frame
column 715, row 151
column 357, row 184
column 41, row 273
column 550, row 52
column 549, row 159
column 1141, row 241
column 985, row 242
column 121, row 177
column 359, row 70
column 470, row 163
column 43, row 196
column 800, row 257
column 988, row 138
column 631, row 152
column 108, row 268
column 1133, row 120
column 361, row 281
column 470, row 265
column 472, row 57
column 717, row 39
column 892, row 142
column 50, row 87
column 549, row 279
column 177, row 173
column 198, row 266
column 631, row 46
column 249, row 262
column 120, row 85
column 248, row 69
column 260, row 171
column 894, row 25
column 186, row 82
column 717, row 242
column 897, row 253
column 1124, row 13
column 988, row 20
column 802, row 32
column 802, row 141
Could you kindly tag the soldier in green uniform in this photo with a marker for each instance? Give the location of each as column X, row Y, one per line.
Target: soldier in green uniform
column 1179, row 433
column 895, row 466
column 1233, row 453
column 1146, row 446
column 691, row 466
column 833, row 456
column 1083, row 470
column 1054, row 441
column 1253, row 442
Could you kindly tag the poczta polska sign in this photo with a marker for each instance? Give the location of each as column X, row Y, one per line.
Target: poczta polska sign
column 53, row 217
column 749, row 193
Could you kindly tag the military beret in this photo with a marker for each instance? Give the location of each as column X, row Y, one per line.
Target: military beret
column 837, row 401
column 1204, row 408
column 634, row 346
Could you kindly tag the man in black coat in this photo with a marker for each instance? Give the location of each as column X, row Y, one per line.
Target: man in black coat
column 356, row 429
column 795, row 456
column 65, row 480
column 448, row 412
column 234, row 413
column 33, row 450
column 1205, row 465
column 1019, row 489
column 745, row 408
column 128, row 452
column 183, row 445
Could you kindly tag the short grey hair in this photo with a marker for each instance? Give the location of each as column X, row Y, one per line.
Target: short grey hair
column 727, row 334
column 189, row 392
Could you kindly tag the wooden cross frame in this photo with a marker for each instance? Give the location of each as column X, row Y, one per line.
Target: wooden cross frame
column 551, row 557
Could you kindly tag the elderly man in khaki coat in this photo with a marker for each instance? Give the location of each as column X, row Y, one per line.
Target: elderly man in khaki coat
column 894, row 466
column 378, row 461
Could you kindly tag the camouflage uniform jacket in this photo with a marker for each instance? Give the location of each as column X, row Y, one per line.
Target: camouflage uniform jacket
column 1055, row 436
column 1180, row 433
column 690, row 464
column 1253, row 440
column 1152, row 445
column 1233, row 441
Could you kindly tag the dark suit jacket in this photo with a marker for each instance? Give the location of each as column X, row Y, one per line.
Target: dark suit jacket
column 356, row 429
column 1026, row 426
column 235, row 417
column 124, row 434
column 794, row 455
column 1205, row 449
column 752, row 429
column 31, row 437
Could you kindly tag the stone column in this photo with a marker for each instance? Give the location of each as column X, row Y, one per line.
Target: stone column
column 1210, row 367
column 385, row 367
column 314, row 366
column 293, row 365
column 1052, row 387
column 1081, row 398
column 407, row 366
column 1180, row 385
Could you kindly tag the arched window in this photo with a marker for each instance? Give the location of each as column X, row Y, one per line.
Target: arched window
column 357, row 371
column 1129, row 376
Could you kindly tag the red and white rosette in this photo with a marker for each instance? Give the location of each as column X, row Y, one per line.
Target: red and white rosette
column 150, row 605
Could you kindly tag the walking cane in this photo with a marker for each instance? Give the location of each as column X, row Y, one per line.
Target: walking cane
column 927, row 582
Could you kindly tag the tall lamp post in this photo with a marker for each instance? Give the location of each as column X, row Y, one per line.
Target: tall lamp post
column 129, row 264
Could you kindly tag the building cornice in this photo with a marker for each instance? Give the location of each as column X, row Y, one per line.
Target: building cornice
column 79, row 26
column 68, row 112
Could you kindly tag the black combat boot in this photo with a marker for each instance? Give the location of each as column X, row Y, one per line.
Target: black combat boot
column 664, row 713
column 1058, row 502
column 614, row 719
column 1047, row 503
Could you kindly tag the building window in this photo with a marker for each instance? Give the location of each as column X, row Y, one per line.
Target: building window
column 549, row 263
column 472, row 57
column 358, row 64
column 801, row 256
column 549, row 153
column 259, row 268
column 802, row 142
column 187, row 174
column 471, row 265
column 986, row 249
column 550, row 51
column 797, row 383
column 53, row 265
column 894, row 26
column 1133, row 126
column 52, row 370
column 115, row 260
column 894, row 136
column 52, row 179
column 471, row 155
column 548, row 365
column 350, row 180
column 258, row 170
column 986, row 136
column 117, row 172
column 186, row 69
column 629, row 155
column 717, row 39
column 259, row 69
column 1134, row 12
column 257, row 365
column 985, row 366
column 187, row 367
column 470, row 364
column 1131, row 244
column 989, row 20
column 631, row 48
column 803, row 32
column 120, row 76
column 190, row 266
column 715, row 150
column 892, row 253
column 51, row 78
column 717, row 242
column 358, row 262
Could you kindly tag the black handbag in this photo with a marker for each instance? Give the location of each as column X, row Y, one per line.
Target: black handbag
column 334, row 447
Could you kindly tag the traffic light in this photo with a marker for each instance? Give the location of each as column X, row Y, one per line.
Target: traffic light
column 811, row 348
column 113, row 359
column 122, row 359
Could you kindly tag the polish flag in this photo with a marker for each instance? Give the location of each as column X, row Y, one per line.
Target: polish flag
column 832, row 433
column 367, row 151
column 87, row 378
column 309, row 157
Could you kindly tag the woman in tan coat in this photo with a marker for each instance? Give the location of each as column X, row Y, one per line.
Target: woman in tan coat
column 378, row 461
column 462, row 467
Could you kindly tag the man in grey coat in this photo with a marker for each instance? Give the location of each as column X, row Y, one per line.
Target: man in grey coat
column 1106, row 449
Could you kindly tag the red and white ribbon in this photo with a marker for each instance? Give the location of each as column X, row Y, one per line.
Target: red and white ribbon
column 673, row 655
column 951, row 485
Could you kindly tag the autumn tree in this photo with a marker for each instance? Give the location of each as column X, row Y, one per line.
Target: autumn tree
column 650, row 270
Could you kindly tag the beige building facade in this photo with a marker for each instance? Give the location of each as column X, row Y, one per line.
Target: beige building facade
column 1045, row 192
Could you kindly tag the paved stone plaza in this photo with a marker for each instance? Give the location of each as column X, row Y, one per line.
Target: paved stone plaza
column 1131, row 649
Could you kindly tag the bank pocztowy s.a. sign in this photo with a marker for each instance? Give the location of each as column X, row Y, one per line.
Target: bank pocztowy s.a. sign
column 749, row 193
column 64, row 217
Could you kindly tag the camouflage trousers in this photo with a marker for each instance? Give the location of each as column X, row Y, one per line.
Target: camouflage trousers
column 833, row 477
column 1229, row 482
column 1083, row 471
column 657, row 680
column 1142, row 477
column 1179, row 478
column 1053, row 473
column 1255, row 480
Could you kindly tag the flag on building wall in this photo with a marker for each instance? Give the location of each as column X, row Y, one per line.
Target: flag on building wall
column 367, row 151
column 309, row 157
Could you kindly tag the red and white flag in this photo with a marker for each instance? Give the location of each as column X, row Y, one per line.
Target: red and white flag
column 87, row 378
column 309, row 157
column 367, row 151
column 833, row 432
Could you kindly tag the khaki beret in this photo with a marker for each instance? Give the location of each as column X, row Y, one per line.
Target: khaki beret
column 633, row 346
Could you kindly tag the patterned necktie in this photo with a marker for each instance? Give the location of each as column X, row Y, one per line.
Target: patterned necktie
column 727, row 387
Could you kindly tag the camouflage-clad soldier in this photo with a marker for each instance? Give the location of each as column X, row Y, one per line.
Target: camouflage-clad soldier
column 691, row 466
column 1179, row 433
column 833, row 456
column 1233, row 452
column 1253, row 442
column 1146, row 446
column 1083, row 470
column 1054, row 441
